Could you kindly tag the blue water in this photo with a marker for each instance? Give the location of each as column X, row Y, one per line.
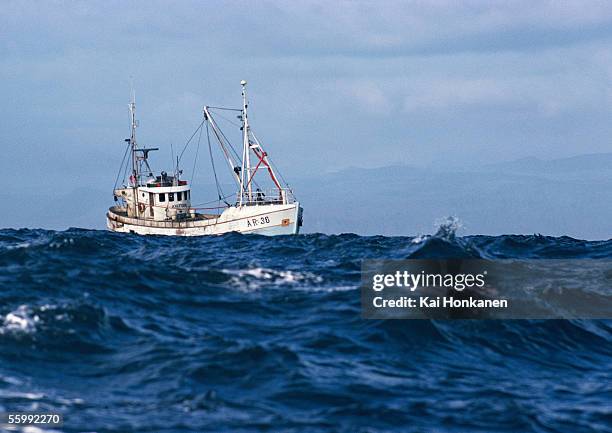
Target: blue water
column 122, row 333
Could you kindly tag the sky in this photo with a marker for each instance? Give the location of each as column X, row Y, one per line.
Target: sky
column 332, row 85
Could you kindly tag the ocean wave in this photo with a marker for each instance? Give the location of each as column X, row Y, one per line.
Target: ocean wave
column 35, row 331
column 249, row 333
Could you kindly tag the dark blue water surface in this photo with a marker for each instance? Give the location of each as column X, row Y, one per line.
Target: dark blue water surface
column 123, row 333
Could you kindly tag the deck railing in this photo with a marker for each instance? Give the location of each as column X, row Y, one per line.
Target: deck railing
column 268, row 196
column 121, row 216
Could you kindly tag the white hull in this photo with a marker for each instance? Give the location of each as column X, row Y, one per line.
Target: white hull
column 265, row 219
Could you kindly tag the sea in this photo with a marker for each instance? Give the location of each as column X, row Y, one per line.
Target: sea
column 125, row 333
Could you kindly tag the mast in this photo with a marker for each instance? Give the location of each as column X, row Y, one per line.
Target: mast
column 245, row 173
column 246, row 153
column 134, row 124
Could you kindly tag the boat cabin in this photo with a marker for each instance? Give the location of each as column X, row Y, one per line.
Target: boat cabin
column 161, row 198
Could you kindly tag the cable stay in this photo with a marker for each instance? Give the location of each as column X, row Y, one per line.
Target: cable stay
column 190, row 138
column 220, row 193
column 225, row 108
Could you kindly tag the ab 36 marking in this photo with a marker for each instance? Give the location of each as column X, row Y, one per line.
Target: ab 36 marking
column 254, row 222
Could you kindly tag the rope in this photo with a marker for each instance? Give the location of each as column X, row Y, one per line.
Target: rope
column 276, row 170
column 212, row 163
column 226, row 109
column 125, row 171
column 208, row 208
column 238, row 158
column 228, row 120
column 196, row 155
column 212, row 201
column 231, row 147
column 188, row 141
column 121, row 166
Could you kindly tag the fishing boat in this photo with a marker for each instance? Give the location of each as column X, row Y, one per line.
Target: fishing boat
column 149, row 204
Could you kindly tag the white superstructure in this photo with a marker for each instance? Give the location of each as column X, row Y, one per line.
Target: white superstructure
column 148, row 204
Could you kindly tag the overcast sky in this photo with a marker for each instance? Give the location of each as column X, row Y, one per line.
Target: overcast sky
column 332, row 84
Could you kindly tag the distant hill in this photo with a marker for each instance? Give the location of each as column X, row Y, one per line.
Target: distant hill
column 585, row 165
column 569, row 196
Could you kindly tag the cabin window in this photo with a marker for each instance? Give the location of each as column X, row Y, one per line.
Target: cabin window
column 186, row 195
column 170, row 196
column 162, row 197
column 179, row 196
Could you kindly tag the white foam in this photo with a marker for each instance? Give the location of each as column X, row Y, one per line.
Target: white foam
column 448, row 227
column 254, row 279
column 330, row 289
column 24, row 395
column 10, row 380
column 19, row 246
column 257, row 278
column 21, row 320
column 55, row 244
column 419, row 239
column 34, row 429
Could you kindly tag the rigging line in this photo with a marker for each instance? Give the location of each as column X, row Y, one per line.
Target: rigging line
column 172, row 156
column 125, row 171
column 228, row 120
column 215, row 200
column 212, row 162
column 121, row 166
column 272, row 164
column 191, row 138
column 229, row 143
column 277, row 171
column 225, row 108
column 196, row 156
column 224, row 148
column 238, row 158
column 127, row 164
